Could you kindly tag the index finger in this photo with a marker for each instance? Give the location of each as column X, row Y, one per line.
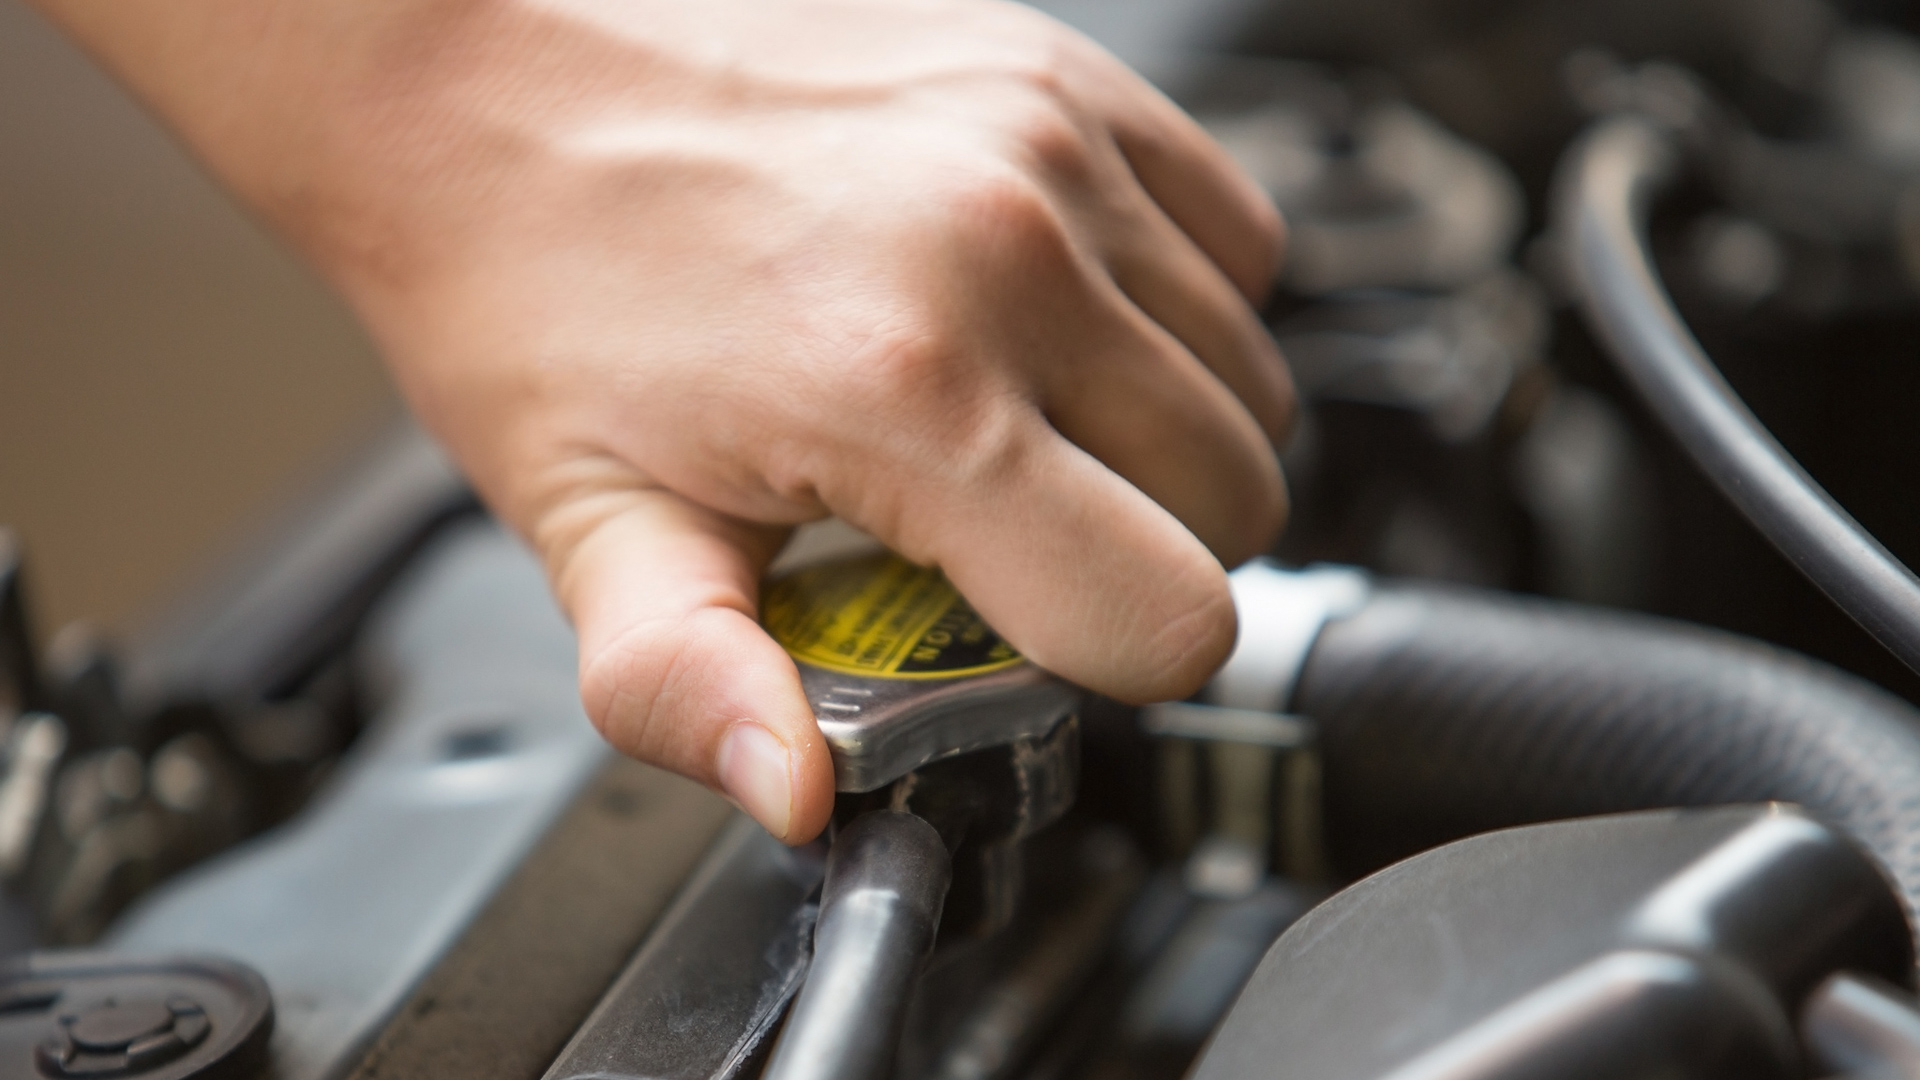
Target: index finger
column 1077, row 568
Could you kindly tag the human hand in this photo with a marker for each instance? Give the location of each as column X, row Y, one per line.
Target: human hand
column 670, row 278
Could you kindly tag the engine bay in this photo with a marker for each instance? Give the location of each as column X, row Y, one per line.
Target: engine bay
column 1536, row 756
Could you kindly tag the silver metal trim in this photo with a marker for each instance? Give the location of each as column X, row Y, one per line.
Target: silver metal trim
column 1281, row 614
column 882, row 729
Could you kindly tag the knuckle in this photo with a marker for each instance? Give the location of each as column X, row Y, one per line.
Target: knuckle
column 913, row 358
column 1041, row 68
column 957, row 455
column 1046, row 135
column 987, row 448
column 1038, row 112
column 1006, row 219
column 997, row 200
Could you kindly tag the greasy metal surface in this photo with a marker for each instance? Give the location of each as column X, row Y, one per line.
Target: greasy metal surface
column 882, row 729
column 513, row 989
column 479, row 742
column 880, row 907
column 716, row 971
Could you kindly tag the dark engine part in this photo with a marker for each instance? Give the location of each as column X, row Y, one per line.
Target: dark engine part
column 1608, row 188
column 82, row 1016
column 1670, row 943
column 1440, row 712
column 1791, row 257
column 296, row 597
column 1434, row 712
column 886, row 881
column 1446, row 712
column 119, row 769
column 1858, row 1025
column 1437, row 438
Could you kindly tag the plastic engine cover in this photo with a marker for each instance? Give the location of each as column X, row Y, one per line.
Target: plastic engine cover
column 1668, row 943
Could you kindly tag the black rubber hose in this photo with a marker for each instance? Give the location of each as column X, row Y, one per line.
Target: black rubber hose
column 1605, row 193
column 887, row 878
column 1446, row 712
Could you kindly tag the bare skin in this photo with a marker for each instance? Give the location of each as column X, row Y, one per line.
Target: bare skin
column 669, row 278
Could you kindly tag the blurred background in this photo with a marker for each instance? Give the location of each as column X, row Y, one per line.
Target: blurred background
column 166, row 369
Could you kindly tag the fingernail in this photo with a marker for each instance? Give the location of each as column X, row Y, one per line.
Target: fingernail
column 757, row 773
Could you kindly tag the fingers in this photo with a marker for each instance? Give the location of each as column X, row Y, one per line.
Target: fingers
column 1167, row 276
column 674, row 668
column 1074, row 565
column 1148, row 410
column 1194, row 180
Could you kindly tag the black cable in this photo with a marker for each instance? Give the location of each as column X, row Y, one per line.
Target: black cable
column 1603, row 202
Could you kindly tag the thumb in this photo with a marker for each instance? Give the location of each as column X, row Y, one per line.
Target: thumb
column 674, row 668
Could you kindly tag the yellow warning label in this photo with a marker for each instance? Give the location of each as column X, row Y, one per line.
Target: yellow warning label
column 883, row 617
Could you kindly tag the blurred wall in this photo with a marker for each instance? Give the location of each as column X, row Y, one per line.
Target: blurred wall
column 165, row 368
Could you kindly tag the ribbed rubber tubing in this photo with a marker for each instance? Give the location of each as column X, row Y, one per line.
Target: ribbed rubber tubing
column 1449, row 711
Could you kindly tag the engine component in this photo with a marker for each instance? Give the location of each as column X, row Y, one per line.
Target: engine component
column 901, row 672
column 1435, row 439
column 1376, row 194
column 298, row 597
column 1239, row 778
column 1609, row 182
column 1450, row 359
column 69, row 1016
column 480, row 741
column 1672, row 943
column 975, row 748
column 880, row 907
column 930, row 712
column 1051, row 971
column 1862, row 1026
column 698, row 1001
column 1443, row 712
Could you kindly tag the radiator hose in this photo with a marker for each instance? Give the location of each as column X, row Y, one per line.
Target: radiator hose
column 1446, row 711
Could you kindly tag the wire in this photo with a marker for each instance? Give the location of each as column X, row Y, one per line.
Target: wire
column 1606, row 189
